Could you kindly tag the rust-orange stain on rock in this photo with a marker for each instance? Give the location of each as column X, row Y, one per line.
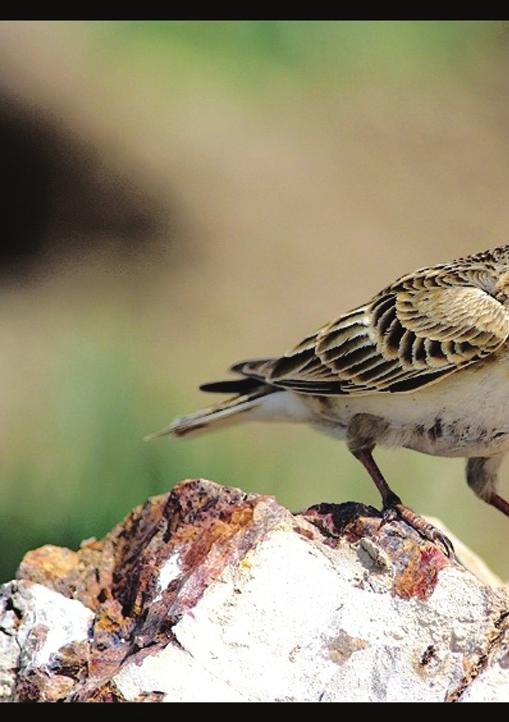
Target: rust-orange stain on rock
column 205, row 535
column 419, row 576
column 48, row 565
column 415, row 562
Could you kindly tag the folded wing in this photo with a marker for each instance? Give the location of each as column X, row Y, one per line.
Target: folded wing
column 411, row 335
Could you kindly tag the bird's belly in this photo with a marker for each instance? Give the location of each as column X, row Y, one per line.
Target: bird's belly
column 455, row 438
column 464, row 415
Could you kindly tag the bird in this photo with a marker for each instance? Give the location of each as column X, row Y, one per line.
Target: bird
column 424, row 365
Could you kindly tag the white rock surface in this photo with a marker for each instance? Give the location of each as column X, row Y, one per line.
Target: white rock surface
column 177, row 675
column 282, row 613
column 291, row 624
column 35, row 622
column 492, row 683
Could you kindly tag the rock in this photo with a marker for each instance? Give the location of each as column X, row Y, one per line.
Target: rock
column 211, row 594
column 468, row 558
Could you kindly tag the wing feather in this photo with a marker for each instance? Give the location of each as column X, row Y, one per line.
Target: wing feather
column 418, row 330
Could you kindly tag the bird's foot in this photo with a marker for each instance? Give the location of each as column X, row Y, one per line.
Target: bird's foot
column 396, row 510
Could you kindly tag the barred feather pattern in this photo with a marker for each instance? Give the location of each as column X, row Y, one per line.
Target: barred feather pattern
column 423, row 327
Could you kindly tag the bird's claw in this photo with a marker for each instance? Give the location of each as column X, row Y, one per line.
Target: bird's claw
column 389, row 514
column 435, row 536
column 423, row 528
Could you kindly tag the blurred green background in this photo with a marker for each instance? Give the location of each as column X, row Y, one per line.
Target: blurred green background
column 183, row 195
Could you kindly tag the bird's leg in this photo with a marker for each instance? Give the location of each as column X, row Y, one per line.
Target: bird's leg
column 394, row 509
column 364, row 430
column 499, row 503
column 482, row 477
column 389, row 499
column 363, row 433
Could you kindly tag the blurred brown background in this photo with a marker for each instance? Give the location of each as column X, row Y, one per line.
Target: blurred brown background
column 179, row 196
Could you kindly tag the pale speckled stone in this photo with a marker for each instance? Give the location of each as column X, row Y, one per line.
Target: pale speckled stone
column 44, row 622
column 270, row 624
column 292, row 619
column 63, row 621
column 492, row 684
column 177, row 675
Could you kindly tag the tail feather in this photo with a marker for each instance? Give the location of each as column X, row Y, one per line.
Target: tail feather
column 235, row 386
column 217, row 416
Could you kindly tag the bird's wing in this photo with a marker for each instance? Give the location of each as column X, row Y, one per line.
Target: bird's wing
column 410, row 335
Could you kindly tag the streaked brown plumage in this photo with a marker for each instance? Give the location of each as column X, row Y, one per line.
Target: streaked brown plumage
column 423, row 326
column 421, row 344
